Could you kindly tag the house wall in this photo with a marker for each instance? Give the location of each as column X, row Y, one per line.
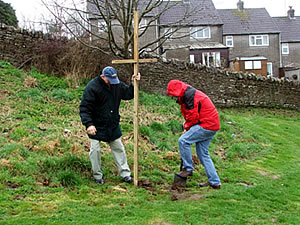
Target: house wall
column 240, row 66
column 223, row 54
column 242, row 49
column 149, row 35
column 293, row 58
column 183, row 53
column 293, row 75
column 215, row 36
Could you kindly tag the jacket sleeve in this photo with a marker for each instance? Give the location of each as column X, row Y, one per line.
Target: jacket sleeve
column 87, row 106
column 127, row 91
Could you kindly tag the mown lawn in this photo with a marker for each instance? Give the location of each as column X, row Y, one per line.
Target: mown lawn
column 45, row 173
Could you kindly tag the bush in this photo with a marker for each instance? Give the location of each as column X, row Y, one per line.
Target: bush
column 69, row 59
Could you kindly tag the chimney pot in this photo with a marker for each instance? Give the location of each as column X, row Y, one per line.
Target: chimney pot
column 240, row 5
column 291, row 13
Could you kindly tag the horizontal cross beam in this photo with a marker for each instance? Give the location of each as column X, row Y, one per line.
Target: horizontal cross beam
column 133, row 61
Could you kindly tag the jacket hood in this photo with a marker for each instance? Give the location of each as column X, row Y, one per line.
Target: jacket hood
column 176, row 88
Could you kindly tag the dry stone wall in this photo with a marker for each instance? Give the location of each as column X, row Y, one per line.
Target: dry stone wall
column 225, row 88
column 18, row 45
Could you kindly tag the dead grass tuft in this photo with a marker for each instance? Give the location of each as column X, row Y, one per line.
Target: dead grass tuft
column 30, row 82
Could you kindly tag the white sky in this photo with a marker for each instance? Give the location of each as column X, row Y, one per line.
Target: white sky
column 34, row 9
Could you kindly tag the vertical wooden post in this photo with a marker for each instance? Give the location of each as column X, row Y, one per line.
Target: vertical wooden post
column 136, row 97
column 136, row 62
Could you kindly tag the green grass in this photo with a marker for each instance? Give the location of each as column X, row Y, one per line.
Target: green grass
column 45, row 173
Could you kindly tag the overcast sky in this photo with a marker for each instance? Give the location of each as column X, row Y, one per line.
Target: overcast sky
column 33, row 9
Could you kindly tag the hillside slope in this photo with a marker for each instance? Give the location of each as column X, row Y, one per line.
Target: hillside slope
column 45, row 173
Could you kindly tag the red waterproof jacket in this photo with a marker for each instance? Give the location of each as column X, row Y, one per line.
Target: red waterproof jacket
column 196, row 107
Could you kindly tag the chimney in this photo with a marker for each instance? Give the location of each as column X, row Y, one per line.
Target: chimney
column 291, row 13
column 240, row 5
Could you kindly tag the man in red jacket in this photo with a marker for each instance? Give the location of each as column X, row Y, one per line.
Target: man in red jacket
column 201, row 124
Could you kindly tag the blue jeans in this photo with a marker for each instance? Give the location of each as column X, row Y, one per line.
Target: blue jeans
column 201, row 137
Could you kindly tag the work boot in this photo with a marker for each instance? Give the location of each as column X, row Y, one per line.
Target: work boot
column 100, row 181
column 213, row 186
column 184, row 173
column 127, row 179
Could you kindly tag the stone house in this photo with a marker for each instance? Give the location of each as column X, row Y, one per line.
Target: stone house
column 289, row 27
column 198, row 37
column 253, row 39
column 192, row 31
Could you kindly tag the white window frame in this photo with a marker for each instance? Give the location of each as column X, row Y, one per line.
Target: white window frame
column 248, row 65
column 169, row 33
column 285, row 48
column 253, row 65
column 192, row 58
column 270, row 68
column 228, row 40
column 257, row 65
column 200, row 32
column 216, row 59
column 143, row 24
column 256, row 38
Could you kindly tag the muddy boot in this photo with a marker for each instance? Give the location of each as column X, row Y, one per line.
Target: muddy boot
column 184, row 173
column 179, row 180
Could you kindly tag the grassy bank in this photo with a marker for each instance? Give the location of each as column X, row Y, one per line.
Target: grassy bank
column 45, row 173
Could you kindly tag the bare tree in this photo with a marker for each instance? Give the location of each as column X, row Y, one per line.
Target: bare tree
column 111, row 23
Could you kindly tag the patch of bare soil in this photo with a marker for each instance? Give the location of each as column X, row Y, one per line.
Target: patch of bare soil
column 146, row 184
column 267, row 174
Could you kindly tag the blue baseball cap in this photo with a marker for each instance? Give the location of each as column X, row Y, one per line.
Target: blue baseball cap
column 111, row 74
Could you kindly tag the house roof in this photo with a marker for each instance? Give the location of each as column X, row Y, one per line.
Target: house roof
column 251, row 58
column 248, row 21
column 289, row 28
column 199, row 12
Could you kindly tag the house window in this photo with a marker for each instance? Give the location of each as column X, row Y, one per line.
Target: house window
column 192, row 58
column 211, row 59
column 200, row 32
column 229, row 41
column 248, row 65
column 285, row 49
column 169, row 33
column 143, row 24
column 102, row 26
column 270, row 68
column 252, row 65
column 259, row 40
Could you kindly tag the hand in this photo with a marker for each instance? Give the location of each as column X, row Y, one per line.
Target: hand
column 184, row 131
column 91, row 130
column 137, row 77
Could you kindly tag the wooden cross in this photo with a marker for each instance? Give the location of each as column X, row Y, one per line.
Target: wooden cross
column 136, row 62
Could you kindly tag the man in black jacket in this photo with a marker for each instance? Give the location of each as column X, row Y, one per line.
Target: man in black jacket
column 99, row 113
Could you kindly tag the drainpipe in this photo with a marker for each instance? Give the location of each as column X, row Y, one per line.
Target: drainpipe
column 157, row 34
column 280, row 52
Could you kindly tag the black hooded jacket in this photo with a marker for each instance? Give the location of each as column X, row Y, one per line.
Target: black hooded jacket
column 100, row 107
